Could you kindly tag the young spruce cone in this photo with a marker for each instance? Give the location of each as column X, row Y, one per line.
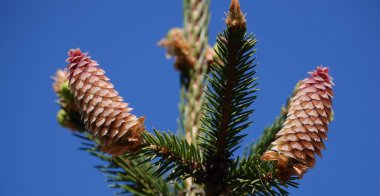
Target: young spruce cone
column 305, row 127
column 104, row 113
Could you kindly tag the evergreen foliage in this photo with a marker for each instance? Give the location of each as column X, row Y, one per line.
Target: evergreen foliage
column 250, row 176
column 131, row 177
column 170, row 153
column 229, row 95
column 215, row 108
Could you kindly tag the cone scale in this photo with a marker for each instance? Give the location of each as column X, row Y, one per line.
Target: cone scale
column 104, row 113
column 305, row 128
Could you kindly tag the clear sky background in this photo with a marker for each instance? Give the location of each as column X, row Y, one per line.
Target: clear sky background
column 40, row 158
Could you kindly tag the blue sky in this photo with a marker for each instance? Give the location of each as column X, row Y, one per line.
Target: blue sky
column 41, row 158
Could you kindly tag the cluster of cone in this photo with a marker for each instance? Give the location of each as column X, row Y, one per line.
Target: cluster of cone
column 104, row 113
column 305, row 128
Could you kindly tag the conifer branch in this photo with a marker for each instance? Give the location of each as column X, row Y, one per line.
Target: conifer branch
column 193, row 63
column 251, row 176
column 130, row 176
column 196, row 24
column 229, row 94
column 189, row 47
column 170, row 153
column 213, row 114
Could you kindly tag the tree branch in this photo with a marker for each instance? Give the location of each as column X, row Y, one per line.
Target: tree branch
column 168, row 152
column 228, row 96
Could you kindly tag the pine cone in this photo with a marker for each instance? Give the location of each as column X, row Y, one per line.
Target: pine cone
column 305, row 127
column 102, row 110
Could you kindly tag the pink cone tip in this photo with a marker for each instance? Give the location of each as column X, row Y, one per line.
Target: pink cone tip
column 75, row 55
column 322, row 72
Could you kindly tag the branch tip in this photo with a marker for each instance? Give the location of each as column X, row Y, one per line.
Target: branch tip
column 235, row 17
